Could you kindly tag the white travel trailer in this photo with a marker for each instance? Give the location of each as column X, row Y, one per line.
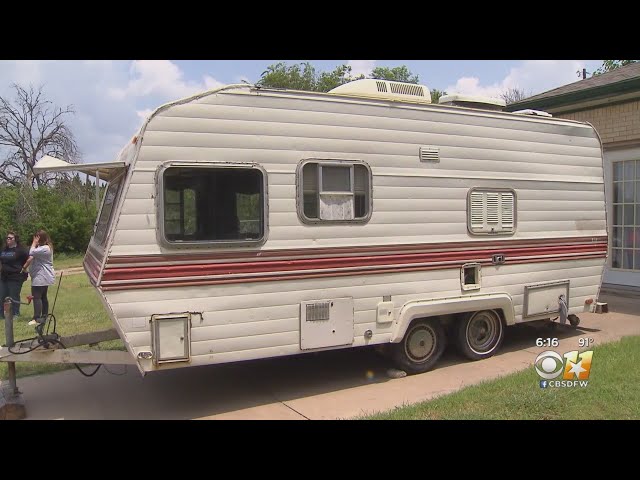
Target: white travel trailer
column 247, row 222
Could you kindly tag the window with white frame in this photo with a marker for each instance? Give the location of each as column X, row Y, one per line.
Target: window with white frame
column 625, row 252
column 335, row 191
column 491, row 211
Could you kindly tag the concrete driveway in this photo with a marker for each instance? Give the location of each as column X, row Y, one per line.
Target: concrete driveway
column 329, row 385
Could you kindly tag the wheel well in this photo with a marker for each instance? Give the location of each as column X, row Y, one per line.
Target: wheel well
column 442, row 319
column 445, row 310
column 498, row 311
column 448, row 321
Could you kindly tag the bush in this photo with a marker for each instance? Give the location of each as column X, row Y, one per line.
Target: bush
column 66, row 212
column 8, row 200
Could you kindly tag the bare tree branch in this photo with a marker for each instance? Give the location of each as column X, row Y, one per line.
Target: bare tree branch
column 512, row 95
column 31, row 127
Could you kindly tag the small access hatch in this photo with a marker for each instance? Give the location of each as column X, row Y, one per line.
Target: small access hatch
column 171, row 337
column 326, row 323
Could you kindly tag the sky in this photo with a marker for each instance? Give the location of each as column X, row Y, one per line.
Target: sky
column 111, row 98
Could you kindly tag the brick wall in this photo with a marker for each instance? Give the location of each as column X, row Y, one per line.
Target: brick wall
column 614, row 123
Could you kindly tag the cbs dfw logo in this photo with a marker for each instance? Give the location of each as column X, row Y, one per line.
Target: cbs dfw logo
column 574, row 368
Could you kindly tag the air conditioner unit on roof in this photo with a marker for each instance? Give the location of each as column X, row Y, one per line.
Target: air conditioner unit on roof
column 384, row 89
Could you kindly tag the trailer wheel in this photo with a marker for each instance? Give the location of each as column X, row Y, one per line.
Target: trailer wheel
column 420, row 348
column 480, row 334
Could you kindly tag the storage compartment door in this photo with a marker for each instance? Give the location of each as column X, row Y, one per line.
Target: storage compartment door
column 543, row 298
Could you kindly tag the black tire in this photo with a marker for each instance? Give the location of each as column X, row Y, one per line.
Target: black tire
column 480, row 334
column 420, row 348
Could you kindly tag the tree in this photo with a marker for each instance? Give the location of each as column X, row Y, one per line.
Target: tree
column 31, row 127
column 330, row 80
column 608, row 65
column 436, row 94
column 512, row 95
column 396, row 74
column 303, row 76
column 296, row 77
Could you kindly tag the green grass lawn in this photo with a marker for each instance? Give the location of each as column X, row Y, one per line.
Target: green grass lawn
column 613, row 393
column 77, row 310
column 67, row 260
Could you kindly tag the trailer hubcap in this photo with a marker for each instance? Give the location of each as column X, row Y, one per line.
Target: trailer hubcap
column 482, row 331
column 421, row 343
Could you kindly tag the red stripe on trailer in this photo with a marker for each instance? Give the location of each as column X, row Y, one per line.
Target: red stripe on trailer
column 149, row 283
column 237, row 268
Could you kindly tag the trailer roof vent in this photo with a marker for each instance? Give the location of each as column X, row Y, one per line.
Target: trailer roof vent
column 537, row 113
column 472, row 101
column 384, row 89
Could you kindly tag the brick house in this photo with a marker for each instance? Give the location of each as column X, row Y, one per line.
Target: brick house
column 611, row 103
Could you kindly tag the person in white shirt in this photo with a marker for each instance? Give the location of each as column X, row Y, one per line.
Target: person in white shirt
column 42, row 275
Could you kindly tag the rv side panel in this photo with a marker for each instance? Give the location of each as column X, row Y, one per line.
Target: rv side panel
column 245, row 301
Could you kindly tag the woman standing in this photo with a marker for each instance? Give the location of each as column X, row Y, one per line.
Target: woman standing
column 12, row 260
column 42, row 275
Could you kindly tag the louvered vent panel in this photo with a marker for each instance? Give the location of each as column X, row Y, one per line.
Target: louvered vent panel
column 403, row 89
column 493, row 202
column 477, row 210
column 317, row 311
column 429, row 154
column 492, row 212
column 507, row 205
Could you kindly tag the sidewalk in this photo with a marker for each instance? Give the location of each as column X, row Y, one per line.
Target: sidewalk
column 330, row 385
column 451, row 375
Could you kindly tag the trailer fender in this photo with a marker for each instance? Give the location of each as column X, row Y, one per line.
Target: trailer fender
column 443, row 306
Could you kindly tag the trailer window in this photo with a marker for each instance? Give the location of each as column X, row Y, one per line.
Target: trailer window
column 491, row 211
column 212, row 204
column 106, row 212
column 333, row 191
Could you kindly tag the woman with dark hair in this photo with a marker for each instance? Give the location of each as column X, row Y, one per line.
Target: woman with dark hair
column 12, row 260
column 42, row 275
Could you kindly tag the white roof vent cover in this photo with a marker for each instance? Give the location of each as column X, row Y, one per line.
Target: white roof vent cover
column 472, row 101
column 537, row 113
column 385, row 89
